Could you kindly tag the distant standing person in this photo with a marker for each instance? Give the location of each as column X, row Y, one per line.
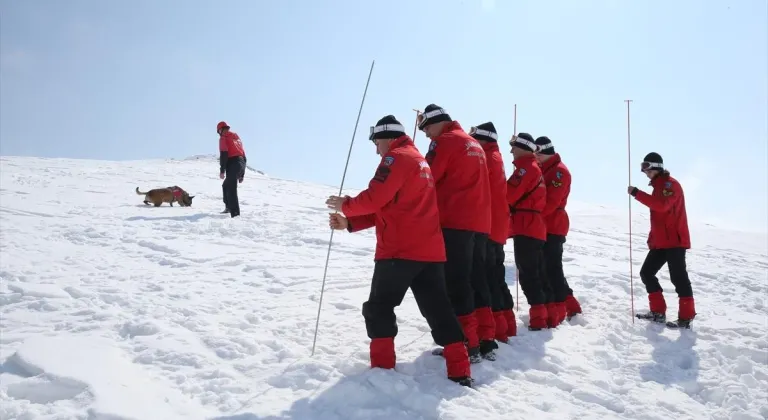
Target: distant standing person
column 464, row 199
column 557, row 178
column 232, row 167
column 501, row 298
column 527, row 196
column 401, row 203
column 667, row 242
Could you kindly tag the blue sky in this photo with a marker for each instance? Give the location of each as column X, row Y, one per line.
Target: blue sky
column 150, row 79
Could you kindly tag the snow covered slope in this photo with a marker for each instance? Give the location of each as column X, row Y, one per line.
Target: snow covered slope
column 116, row 310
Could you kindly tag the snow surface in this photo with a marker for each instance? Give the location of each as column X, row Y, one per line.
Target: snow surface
column 116, row 310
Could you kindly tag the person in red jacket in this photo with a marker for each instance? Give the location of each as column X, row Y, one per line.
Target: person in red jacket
column 557, row 179
column 464, row 199
column 501, row 298
column 527, row 196
column 232, row 162
column 400, row 202
column 668, row 242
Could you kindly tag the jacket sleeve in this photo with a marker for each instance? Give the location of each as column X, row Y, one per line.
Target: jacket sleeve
column 439, row 157
column 663, row 203
column 389, row 177
column 358, row 223
column 556, row 190
column 223, row 154
column 518, row 184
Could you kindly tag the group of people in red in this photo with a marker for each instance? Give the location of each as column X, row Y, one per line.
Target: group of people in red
column 442, row 220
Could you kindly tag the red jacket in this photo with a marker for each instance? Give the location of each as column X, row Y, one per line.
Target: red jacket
column 526, row 196
column 669, row 220
column 557, row 179
column 230, row 142
column 497, row 179
column 230, row 146
column 401, row 202
column 461, row 177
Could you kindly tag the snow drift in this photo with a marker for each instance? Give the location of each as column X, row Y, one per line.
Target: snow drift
column 111, row 309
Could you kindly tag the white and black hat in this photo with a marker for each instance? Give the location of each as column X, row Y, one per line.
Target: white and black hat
column 545, row 146
column 387, row 128
column 433, row 114
column 652, row 161
column 485, row 131
column 524, row 141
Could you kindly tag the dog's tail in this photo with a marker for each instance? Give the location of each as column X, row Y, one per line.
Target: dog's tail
column 141, row 193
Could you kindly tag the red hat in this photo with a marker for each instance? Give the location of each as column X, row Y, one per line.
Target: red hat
column 221, row 125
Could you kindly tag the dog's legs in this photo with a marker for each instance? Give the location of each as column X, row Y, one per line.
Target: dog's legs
column 146, row 202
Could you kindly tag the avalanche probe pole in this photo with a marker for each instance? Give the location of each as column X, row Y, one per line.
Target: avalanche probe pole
column 341, row 187
column 517, row 275
column 629, row 205
column 415, row 124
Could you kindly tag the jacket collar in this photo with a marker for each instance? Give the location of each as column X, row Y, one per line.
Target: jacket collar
column 489, row 146
column 402, row 141
column 660, row 178
column 450, row 126
column 525, row 159
column 551, row 162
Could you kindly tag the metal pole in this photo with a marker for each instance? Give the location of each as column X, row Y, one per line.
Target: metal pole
column 629, row 206
column 341, row 187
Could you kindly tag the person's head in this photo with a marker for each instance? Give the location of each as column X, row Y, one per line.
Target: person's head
column 522, row 145
column 484, row 133
column 433, row 120
column 546, row 149
column 222, row 127
column 385, row 130
column 652, row 165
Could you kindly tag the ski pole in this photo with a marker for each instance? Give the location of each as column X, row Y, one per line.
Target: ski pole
column 341, row 187
column 517, row 275
column 629, row 205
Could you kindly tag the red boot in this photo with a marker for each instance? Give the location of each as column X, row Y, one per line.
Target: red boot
column 538, row 315
column 469, row 325
column 657, row 303
column 456, row 360
column 486, row 326
column 383, row 353
column 509, row 315
column 687, row 310
column 553, row 315
column 501, row 326
column 572, row 306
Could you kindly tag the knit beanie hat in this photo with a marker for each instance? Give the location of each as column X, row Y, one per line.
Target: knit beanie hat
column 652, row 161
column 485, row 131
column 433, row 114
column 545, row 145
column 387, row 128
column 524, row 141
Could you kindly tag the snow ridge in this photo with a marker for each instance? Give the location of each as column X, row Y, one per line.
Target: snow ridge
column 110, row 309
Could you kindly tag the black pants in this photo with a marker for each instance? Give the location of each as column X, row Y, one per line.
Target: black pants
column 459, row 250
column 528, row 259
column 480, row 284
column 678, row 273
column 235, row 170
column 391, row 280
column 501, row 298
column 553, row 267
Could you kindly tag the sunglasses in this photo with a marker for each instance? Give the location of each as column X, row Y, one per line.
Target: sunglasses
column 648, row 166
column 518, row 140
column 485, row 133
column 385, row 127
column 423, row 117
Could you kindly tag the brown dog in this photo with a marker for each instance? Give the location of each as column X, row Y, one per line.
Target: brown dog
column 169, row 195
